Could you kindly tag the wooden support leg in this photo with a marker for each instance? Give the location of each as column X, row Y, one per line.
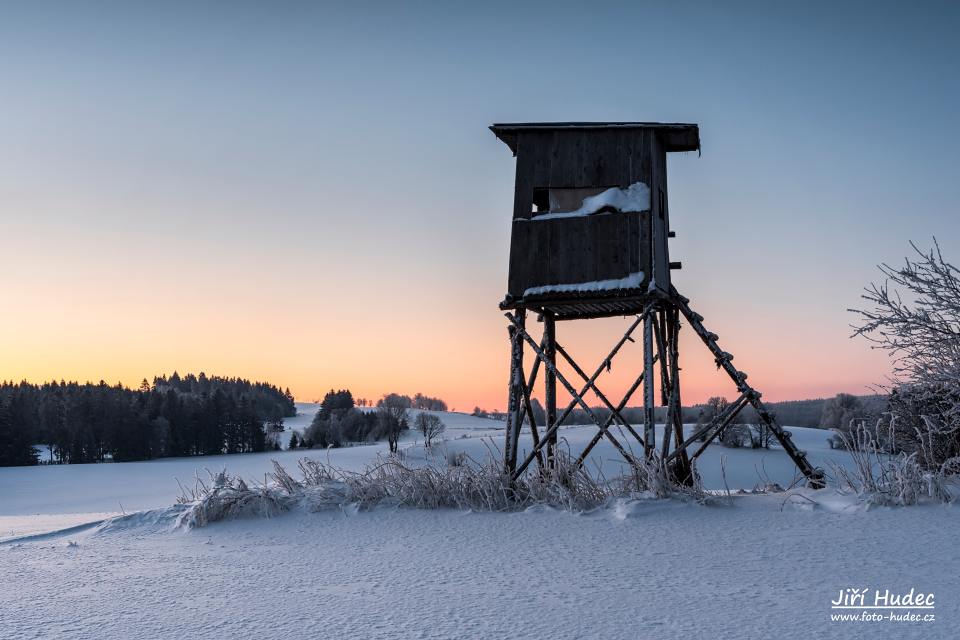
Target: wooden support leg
column 515, row 397
column 660, row 333
column 550, row 382
column 649, row 431
column 528, row 409
column 666, row 381
column 683, row 471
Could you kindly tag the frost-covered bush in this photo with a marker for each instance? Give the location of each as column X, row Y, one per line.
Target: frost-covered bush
column 891, row 479
column 915, row 315
column 456, row 458
column 753, row 436
column 736, row 435
column 924, row 419
column 479, row 486
column 649, row 477
column 227, row 498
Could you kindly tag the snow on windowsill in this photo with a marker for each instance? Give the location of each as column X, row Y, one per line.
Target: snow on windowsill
column 636, row 197
column 632, row 281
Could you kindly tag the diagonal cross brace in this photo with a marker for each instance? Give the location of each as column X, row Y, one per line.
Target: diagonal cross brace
column 528, row 408
column 711, row 436
column 605, row 364
column 720, row 420
column 615, row 412
column 573, row 392
column 606, row 423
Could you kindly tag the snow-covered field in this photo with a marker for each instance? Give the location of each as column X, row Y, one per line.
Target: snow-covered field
column 752, row 566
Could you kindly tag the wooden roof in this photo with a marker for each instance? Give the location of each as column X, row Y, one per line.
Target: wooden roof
column 675, row 136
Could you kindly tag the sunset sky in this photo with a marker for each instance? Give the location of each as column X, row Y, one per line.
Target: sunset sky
column 307, row 193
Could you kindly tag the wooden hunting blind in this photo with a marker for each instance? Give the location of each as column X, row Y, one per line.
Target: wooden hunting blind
column 590, row 217
column 591, row 226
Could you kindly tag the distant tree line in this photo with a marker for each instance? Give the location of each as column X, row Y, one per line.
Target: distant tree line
column 175, row 416
column 427, row 403
column 418, row 401
column 823, row 413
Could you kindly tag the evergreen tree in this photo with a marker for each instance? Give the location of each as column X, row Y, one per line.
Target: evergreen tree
column 192, row 415
column 16, row 447
column 335, row 404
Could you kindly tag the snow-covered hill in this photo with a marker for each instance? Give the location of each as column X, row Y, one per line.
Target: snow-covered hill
column 753, row 566
column 131, row 486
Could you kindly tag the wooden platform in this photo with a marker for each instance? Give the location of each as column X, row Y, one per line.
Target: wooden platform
column 584, row 305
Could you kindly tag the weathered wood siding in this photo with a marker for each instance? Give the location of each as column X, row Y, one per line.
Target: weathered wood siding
column 573, row 250
column 660, row 217
column 596, row 247
column 578, row 159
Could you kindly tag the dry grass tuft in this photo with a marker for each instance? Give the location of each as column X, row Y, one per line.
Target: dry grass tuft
column 478, row 486
column 891, row 480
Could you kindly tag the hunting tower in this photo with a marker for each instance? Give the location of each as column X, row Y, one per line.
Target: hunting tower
column 590, row 214
column 590, row 238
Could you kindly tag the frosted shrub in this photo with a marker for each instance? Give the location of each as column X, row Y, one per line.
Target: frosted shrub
column 914, row 314
column 925, row 419
column 468, row 484
column 226, row 498
column 891, row 479
column 649, row 477
column 456, row 458
column 736, row 436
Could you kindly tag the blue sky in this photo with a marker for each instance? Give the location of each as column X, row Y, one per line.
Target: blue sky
column 300, row 171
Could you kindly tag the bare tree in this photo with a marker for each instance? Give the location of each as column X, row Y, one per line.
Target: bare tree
column 710, row 410
column 839, row 410
column 764, row 435
column 430, row 426
column 393, row 415
column 922, row 333
column 914, row 314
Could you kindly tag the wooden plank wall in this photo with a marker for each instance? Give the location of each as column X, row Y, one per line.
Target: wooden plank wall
column 580, row 249
column 580, row 158
column 585, row 249
column 660, row 218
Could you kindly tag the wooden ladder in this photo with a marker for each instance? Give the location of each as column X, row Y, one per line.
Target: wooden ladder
column 724, row 360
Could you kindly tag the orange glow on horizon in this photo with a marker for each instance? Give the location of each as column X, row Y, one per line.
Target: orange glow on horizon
column 462, row 359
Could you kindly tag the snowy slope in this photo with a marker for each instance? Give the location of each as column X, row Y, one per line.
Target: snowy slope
column 639, row 570
column 753, row 566
column 131, row 486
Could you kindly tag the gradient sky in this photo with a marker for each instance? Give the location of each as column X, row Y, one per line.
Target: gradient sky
column 307, row 193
